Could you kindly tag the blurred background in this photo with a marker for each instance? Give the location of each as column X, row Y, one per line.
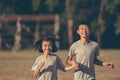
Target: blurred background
column 23, row 22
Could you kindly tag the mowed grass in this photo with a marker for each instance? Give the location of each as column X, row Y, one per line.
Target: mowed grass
column 16, row 65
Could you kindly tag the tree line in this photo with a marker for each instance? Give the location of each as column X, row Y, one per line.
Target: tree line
column 102, row 14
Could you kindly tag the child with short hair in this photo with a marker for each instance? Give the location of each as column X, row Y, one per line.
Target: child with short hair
column 46, row 65
column 86, row 52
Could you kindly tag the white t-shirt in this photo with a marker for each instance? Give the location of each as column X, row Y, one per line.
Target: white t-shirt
column 84, row 55
column 49, row 70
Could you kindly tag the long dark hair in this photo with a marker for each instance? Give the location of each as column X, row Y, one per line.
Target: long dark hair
column 38, row 44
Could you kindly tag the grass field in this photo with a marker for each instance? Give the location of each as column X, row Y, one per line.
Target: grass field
column 17, row 65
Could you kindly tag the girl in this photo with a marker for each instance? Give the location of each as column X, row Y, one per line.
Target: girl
column 46, row 65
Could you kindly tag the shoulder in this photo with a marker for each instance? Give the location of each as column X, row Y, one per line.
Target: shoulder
column 93, row 43
column 39, row 58
column 75, row 44
column 54, row 55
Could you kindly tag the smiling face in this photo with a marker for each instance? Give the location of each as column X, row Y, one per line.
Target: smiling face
column 46, row 47
column 84, row 31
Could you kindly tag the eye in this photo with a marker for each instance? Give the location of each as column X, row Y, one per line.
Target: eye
column 45, row 45
column 82, row 28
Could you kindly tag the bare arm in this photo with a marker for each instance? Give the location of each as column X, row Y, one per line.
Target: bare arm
column 69, row 60
column 74, row 65
column 68, row 68
column 101, row 63
column 36, row 72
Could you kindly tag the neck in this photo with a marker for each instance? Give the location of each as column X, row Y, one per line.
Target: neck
column 46, row 56
column 84, row 41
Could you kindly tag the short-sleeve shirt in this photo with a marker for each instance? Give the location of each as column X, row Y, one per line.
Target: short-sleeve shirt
column 49, row 70
column 84, row 55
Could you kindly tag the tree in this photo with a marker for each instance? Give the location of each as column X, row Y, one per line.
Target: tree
column 100, row 26
column 45, row 6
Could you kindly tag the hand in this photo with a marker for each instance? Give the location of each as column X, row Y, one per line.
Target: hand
column 41, row 64
column 110, row 65
column 74, row 65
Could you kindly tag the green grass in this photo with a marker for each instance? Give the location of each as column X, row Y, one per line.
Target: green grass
column 16, row 65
